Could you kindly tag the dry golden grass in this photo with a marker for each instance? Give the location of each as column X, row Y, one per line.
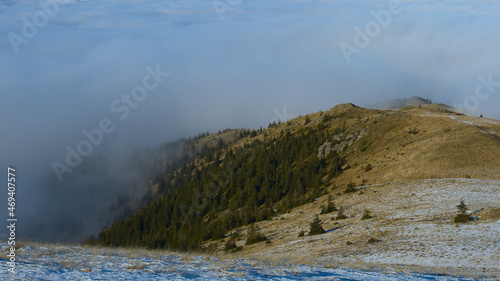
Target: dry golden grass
column 136, row 267
column 86, row 270
column 32, row 243
column 491, row 214
column 212, row 140
column 442, row 148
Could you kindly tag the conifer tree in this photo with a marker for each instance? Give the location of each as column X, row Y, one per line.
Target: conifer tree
column 316, row 226
column 462, row 215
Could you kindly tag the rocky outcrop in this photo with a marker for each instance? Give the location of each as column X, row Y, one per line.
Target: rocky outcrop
column 340, row 142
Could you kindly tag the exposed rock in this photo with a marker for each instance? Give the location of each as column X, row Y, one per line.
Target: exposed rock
column 362, row 133
column 324, row 149
column 339, row 143
column 338, row 137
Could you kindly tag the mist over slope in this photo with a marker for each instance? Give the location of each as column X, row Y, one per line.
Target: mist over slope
column 398, row 103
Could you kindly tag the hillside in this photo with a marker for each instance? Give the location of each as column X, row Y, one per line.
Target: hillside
column 411, row 230
column 409, row 167
column 414, row 142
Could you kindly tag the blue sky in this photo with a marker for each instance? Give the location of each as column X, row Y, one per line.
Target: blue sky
column 230, row 63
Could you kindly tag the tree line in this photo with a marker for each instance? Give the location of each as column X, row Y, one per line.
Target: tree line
column 207, row 192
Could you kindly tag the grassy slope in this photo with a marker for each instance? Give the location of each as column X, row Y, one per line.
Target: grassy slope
column 445, row 145
column 412, row 222
column 442, row 148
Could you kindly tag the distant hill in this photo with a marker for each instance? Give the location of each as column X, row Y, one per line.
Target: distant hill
column 398, row 103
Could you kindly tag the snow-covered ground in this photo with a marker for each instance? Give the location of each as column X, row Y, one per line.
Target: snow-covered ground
column 413, row 224
column 79, row 263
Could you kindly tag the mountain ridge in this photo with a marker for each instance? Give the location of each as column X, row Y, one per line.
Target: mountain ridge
column 339, row 152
